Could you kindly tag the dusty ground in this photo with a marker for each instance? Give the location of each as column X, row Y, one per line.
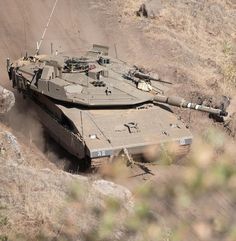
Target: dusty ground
column 190, row 43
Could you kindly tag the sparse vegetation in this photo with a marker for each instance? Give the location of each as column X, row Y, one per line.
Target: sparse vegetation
column 229, row 73
column 3, row 238
column 197, row 203
column 227, row 48
column 3, row 221
column 229, row 67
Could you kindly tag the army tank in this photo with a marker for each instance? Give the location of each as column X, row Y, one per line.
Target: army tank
column 97, row 107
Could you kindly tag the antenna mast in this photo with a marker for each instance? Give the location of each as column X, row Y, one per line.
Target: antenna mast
column 116, row 50
column 45, row 29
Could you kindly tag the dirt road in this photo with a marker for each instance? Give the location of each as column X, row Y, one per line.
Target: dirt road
column 73, row 27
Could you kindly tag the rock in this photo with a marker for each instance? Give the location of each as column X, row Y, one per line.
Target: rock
column 142, row 12
column 230, row 121
column 230, row 125
column 7, row 100
column 150, row 9
column 111, row 189
column 10, row 151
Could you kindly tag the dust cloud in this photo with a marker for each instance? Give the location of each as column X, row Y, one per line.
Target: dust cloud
column 24, row 122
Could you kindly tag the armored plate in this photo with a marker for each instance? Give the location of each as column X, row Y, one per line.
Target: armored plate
column 107, row 132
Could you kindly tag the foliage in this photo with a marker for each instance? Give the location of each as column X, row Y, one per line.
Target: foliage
column 197, row 203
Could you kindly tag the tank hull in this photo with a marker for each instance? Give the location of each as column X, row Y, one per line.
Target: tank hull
column 88, row 136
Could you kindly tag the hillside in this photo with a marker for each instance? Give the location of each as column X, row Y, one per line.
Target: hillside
column 191, row 43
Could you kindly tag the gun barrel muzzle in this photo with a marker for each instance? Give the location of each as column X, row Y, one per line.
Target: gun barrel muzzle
column 180, row 102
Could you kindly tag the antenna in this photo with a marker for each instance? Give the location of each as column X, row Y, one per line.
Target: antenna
column 116, row 50
column 51, row 48
column 45, row 29
column 25, row 36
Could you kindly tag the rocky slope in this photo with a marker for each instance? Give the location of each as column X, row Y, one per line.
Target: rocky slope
column 7, row 100
column 32, row 199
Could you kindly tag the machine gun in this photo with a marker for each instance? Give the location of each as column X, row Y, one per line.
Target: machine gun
column 143, row 80
column 137, row 75
column 148, row 77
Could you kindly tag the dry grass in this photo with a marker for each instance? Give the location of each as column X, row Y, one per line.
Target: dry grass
column 196, row 203
column 198, row 37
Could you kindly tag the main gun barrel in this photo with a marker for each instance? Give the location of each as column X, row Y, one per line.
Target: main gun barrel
column 180, row 102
